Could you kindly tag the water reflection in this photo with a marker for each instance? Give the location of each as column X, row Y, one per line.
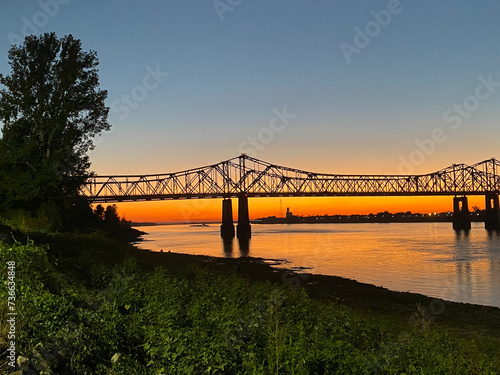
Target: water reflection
column 464, row 280
column 494, row 266
column 462, row 234
column 244, row 246
column 227, row 244
column 493, row 233
column 423, row 258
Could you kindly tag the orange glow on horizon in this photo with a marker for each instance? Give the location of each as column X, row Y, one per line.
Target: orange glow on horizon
column 209, row 210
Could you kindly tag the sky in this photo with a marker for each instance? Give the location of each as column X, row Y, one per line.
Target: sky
column 331, row 86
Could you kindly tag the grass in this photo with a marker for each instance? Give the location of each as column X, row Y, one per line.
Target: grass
column 86, row 306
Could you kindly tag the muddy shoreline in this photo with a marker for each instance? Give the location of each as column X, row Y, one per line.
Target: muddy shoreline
column 472, row 321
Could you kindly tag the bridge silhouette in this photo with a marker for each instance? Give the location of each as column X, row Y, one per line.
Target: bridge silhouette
column 244, row 176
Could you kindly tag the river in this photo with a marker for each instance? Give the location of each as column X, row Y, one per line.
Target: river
column 426, row 258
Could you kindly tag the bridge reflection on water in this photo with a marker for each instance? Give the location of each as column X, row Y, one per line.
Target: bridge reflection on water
column 243, row 246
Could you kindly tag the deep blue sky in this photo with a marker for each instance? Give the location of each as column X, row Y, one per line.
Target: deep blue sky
column 226, row 77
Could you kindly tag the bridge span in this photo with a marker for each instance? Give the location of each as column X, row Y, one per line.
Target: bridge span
column 244, row 176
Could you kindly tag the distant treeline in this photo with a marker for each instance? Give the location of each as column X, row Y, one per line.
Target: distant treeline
column 381, row 217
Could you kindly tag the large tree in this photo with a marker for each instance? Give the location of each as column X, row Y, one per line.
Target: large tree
column 51, row 109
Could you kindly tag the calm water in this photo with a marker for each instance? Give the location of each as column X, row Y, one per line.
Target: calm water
column 423, row 258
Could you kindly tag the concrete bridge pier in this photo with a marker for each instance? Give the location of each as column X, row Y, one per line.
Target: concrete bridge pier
column 243, row 229
column 461, row 215
column 227, row 227
column 492, row 215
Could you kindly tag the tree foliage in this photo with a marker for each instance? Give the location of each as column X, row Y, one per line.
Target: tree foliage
column 99, row 212
column 111, row 214
column 51, row 109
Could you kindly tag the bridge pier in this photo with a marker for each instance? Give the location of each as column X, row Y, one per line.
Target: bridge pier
column 227, row 227
column 461, row 215
column 492, row 215
column 243, row 229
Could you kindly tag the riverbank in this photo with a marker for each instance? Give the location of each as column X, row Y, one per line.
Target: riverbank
column 88, row 303
column 471, row 321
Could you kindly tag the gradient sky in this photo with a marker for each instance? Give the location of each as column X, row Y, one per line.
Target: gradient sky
column 232, row 67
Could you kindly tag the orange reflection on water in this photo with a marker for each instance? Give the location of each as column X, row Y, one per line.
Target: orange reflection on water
column 427, row 258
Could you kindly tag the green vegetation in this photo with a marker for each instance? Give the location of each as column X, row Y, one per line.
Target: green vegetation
column 86, row 306
column 51, row 110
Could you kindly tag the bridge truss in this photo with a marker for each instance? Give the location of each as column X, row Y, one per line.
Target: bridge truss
column 245, row 175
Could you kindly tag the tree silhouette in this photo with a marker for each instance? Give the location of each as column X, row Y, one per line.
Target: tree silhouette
column 51, row 109
column 99, row 212
column 111, row 214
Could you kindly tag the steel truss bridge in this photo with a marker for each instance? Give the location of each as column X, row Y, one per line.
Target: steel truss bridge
column 245, row 175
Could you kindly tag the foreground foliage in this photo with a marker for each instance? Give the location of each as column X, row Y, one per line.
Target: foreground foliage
column 84, row 307
column 51, row 112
